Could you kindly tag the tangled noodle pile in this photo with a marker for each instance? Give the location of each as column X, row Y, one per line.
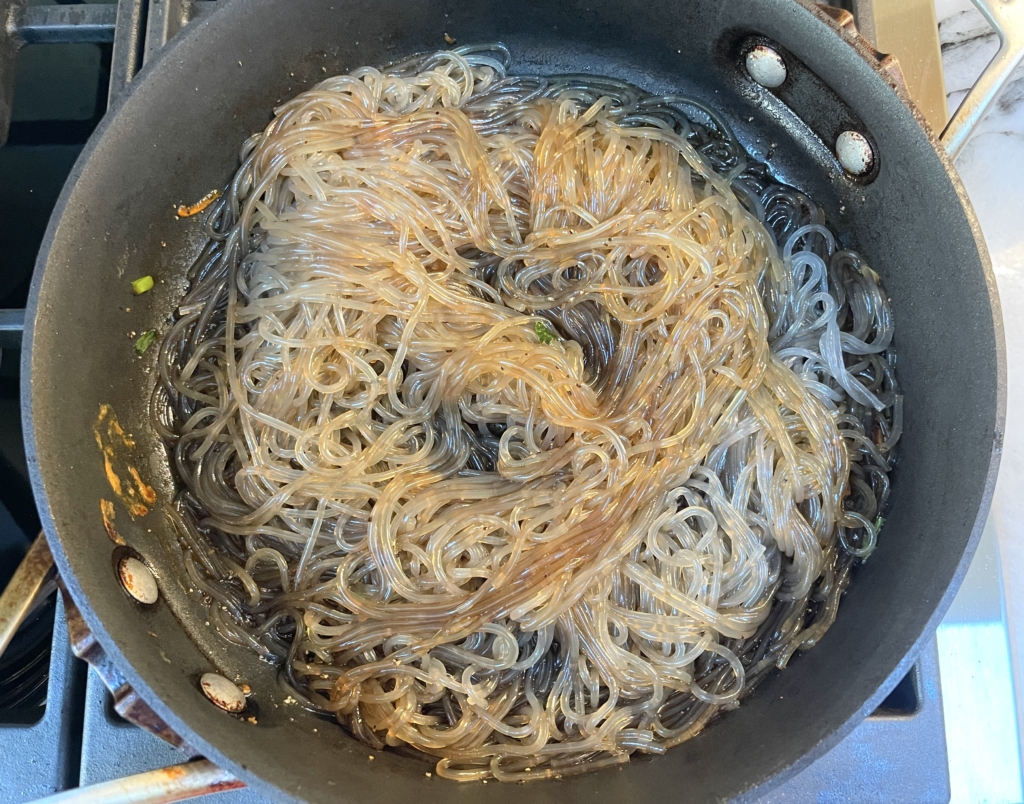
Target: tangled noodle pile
column 527, row 421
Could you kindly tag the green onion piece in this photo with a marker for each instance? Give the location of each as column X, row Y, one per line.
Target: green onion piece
column 878, row 523
column 544, row 334
column 145, row 340
column 142, row 284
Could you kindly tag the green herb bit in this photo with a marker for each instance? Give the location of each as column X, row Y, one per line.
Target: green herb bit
column 878, row 523
column 145, row 340
column 544, row 333
column 142, row 284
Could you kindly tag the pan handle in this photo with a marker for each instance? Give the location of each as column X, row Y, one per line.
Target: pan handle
column 33, row 577
column 161, row 786
column 1007, row 18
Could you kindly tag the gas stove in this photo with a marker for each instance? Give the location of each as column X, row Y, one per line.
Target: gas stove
column 58, row 727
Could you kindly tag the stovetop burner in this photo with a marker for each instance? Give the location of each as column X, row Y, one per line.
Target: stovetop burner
column 58, row 728
column 25, row 667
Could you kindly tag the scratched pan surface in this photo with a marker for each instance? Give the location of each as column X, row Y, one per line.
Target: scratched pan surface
column 177, row 135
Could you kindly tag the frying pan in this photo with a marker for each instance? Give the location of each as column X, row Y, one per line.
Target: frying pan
column 176, row 136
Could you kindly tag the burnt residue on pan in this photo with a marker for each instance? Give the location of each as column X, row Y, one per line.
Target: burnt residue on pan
column 109, row 514
column 124, row 479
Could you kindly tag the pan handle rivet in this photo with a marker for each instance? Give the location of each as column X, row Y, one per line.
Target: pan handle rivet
column 223, row 693
column 138, row 581
column 766, row 66
column 855, row 152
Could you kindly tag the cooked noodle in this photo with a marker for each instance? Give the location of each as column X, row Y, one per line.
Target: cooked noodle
column 526, row 421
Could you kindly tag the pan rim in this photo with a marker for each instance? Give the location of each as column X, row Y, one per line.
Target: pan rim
column 110, row 643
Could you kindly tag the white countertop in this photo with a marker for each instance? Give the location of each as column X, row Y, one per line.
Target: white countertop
column 981, row 641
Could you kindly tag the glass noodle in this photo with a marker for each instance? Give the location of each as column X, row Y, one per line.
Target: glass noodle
column 526, row 421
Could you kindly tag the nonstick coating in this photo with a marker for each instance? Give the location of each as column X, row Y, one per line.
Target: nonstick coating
column 177, row 135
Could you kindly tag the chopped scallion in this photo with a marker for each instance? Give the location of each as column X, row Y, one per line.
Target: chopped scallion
column 145, row 340
column 544, row 334
column 142, row 284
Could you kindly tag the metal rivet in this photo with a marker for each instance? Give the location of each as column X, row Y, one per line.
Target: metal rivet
column 222, row 692
column 766, row 66
column 138, row 580
column 855, row 152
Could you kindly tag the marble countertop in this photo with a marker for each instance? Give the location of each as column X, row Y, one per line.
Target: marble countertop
column 981, row 641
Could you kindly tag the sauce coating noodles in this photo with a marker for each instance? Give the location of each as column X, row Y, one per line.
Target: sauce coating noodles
column 526, row 421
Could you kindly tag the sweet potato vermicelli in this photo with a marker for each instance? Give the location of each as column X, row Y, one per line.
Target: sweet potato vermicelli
column 526, row 421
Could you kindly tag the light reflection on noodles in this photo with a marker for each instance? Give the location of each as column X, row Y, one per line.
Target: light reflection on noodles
column 526, row 420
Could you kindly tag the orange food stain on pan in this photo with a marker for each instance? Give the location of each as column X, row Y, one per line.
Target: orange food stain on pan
column 108, row 512
column 188, row 210
column 145, row 491
column 114, row 444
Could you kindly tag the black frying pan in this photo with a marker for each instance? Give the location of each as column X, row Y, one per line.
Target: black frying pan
column 177, row 135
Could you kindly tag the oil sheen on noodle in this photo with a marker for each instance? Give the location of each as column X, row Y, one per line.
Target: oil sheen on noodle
column 526, row 421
